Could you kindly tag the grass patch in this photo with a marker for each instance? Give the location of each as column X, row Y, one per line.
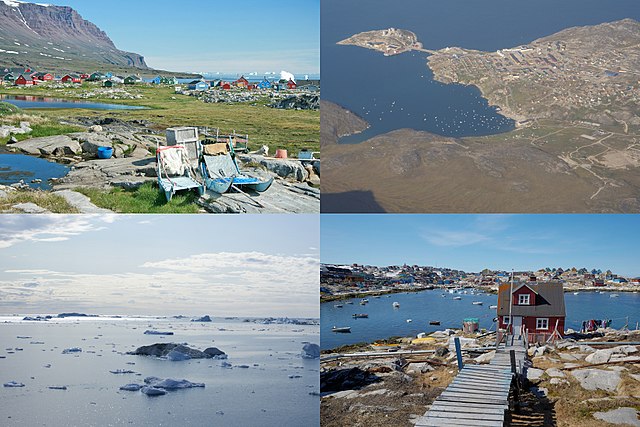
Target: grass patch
column 51, row 202
column 146, row 199
column 292, row 130
column 6, row 109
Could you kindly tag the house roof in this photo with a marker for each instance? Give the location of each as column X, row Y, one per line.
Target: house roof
column 549, row 301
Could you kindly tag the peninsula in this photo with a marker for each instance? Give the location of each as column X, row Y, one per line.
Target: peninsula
column 575, row 98
column 391, row 41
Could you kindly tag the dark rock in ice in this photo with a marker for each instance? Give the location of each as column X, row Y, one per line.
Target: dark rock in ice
column 72, row 350
column 242, row 366
column 58, row 387
column 177, row 352
column 122, row 371
column 215, row 353
column 131, row 387
column 13, row 384
column 310, row 351
column 36, row 319
column 152, row 332
column 202, row 319
column 63, row 315
column 152, row 391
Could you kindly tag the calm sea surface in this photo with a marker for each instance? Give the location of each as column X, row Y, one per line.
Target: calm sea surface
column 385, row 321
column 262, row 395
column 399, row 92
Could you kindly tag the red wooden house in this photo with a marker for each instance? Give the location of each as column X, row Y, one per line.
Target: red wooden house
column 241, row 82
column 71, row 78
column 43, row 77
column 291, row 84
column 226, row 86
column 84, row 76
column 23, row 80
column 536, row 309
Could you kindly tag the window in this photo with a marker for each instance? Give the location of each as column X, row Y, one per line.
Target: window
column 506, row 320
column 523, row 299
column 542, row 323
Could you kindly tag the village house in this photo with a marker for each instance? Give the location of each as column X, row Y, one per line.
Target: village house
column 23, row 80
column 71, row 78
column 198, row 85
column 131, row 80
column 96, row 77
column 43, row 77
column 241, row 83
column 536, row 309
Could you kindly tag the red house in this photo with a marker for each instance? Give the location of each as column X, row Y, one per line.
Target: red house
column 43, row 77
column 71, row 78
column 226, row 86
column 84, row 76
column 291, row 84
column 241, row 82
column 536, row 309
column 24, row 81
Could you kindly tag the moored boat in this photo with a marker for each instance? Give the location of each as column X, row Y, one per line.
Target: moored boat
column 396, row 304
column 343, row 329
column 360, row 316
column 434, row 322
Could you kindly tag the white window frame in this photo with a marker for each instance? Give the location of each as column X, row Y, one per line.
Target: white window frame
column 521, row 299
column 544, row 320
column 506, row 320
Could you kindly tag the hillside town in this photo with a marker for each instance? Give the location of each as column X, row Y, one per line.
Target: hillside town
column 344, row 281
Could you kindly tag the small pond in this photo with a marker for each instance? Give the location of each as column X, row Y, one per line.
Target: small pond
column 28, row 101
column 16, row 167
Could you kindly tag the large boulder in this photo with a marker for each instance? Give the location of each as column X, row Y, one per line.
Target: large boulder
column 625, row 416
column 59, row 145
column 610, row 354
column 597, row 379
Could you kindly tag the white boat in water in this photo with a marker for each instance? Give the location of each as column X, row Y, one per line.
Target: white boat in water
column 396, row 305
column 457, row 298
column 409, row 320
column 493, row 307
column 338, row 306
column 576, row 293
column 477, row 303
column 343, row 329
column 614, row 296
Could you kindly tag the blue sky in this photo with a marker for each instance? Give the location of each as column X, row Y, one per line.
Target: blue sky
column 204, row 35
column 250, row 265
column 475, row 242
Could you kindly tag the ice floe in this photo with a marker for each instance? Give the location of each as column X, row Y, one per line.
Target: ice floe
column 72, row 350
column 310, row 351
column 13, row 384
column 202, row 319
column 153, row 332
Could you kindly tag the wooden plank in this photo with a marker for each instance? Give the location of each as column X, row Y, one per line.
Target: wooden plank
column 469, row 375
column 465, row 416
column 480, row 381
column 441, row 422
column 476, row 409
column 445, row 403
column 463, row 397
column 469, row 390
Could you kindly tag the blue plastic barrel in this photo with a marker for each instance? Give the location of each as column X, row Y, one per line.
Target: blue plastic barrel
column 105, row 152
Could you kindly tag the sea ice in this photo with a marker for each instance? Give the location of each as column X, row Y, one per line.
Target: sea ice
column 170, row 383
column 153, row 332
column 72, row 350
column 122, row 371
column 152, row 391
column 58, row 387
column 310, row 351
column 202, row 319
column 131, row 387
column 13, row 384
column 176, row 356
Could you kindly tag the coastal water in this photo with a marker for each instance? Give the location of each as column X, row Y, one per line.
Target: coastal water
column 386, row 321
column 399, row 92
column 273, row 391
column 27, row 102
column 16, row 167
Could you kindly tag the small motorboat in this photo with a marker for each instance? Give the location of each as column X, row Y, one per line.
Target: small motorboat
column 614, row 296
column 477, row 303
column 338, row 306
column 434, row 322
column 349, row 302
column 343, row 329
column 409, row 320
column 457, row 298
column 396, row 304
column 360, row 316
column 364, row 301
column 493, row 307
column 576, row 293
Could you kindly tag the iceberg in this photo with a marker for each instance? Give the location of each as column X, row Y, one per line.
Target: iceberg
column 310, row 351
column 72, row 350
column 152, row 391
column 131, row 387
column 153, row 332
column 202, row 319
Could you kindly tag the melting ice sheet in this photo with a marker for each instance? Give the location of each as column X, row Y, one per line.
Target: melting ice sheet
column 265, row 380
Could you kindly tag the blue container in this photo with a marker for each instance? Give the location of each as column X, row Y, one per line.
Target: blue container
column 105, row 152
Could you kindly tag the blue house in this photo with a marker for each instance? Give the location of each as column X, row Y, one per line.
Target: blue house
column 265, row 84
column 198, row 85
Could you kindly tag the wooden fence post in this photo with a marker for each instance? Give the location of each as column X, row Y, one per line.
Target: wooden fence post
column 456, row 341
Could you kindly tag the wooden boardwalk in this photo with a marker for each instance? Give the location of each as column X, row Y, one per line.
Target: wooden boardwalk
column 479, row 395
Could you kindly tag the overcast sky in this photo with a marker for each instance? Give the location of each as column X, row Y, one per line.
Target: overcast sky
column 223, row 265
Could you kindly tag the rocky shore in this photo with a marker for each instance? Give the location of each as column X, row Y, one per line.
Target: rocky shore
column 295, row 189
column 582, row 380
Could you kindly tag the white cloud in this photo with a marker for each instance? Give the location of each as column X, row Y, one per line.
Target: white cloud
column 15, row 229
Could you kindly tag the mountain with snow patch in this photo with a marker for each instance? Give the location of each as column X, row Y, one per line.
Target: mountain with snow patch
column 57, row 39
